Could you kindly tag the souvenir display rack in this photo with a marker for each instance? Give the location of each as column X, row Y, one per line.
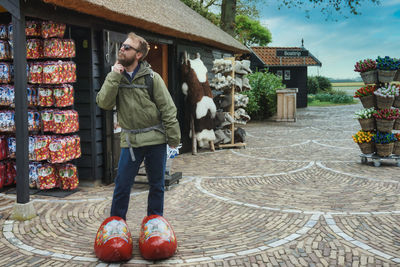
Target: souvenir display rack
column 230, row 75
column 52, row 121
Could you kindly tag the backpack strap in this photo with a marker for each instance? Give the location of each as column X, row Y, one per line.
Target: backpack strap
column 148, row 78
column 149, row 85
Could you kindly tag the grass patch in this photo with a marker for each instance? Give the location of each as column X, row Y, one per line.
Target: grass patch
column 317, row 103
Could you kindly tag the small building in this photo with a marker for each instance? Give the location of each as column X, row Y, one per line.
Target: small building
column 288, row 62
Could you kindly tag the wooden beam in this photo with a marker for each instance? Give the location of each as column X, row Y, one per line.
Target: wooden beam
column 12, row 6
column 21, row 108
column 164, row 63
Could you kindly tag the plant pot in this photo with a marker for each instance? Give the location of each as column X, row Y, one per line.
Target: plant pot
column 396, row 102
column 385, row 126
column 384, row 150
column 386, row 76
column 396, row 148
column 384, row 102
column 396, row 125
column 369, row 77
column 367, row 124
column 368, row 101
column 397, row 76
column 367, row 148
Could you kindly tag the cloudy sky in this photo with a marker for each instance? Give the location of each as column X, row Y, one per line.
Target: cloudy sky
column 337, row 44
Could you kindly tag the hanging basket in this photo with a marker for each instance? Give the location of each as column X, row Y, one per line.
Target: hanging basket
column 384, row 102
column 396, row 148
column 385, row 126
column 386, row 76
column 396, row 102
column 396, row 125
column 396, row 77
column 367, row 148
column 384, row 150
column 367, row 124
column 368, row 101
column 369, row 77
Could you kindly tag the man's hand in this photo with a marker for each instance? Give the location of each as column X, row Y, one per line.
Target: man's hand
column 118, row 67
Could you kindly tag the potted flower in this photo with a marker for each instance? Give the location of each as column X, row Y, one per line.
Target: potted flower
column 367, row 70
column 385, row 96
column 364, row 141
column 396, row 102
column 366, row 119
column 397, row 75
column 366, row 95
column 384, row 143
column 396, row 147
column 385, row 119
column 387, row 68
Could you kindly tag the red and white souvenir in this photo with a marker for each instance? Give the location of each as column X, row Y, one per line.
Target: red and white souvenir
column 52, row 29
column 47, row 120
column 68, row 176
column 32, row 28
column 46, row 176
column 34, row 48
column 64, row 95
column 157, row 238
column 113, row 240
column 35, row 72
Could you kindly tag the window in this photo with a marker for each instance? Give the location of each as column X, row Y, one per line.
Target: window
column 287, row 74
column 279, row 73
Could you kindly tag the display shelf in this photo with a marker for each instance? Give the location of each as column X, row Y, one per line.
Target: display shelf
column 377, row 160
column 374, row 157
column 232, row 112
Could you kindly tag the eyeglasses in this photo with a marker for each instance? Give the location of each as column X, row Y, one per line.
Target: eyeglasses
column 127, row 47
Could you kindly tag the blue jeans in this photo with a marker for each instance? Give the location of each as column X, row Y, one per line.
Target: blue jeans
column 154, row 160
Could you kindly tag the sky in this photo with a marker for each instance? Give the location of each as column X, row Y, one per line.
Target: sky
column 337, row 42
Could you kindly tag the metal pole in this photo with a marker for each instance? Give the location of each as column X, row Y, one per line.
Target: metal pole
column 21, row 107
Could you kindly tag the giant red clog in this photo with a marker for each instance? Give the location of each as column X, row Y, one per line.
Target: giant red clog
column 113, row 240
column 157, row 239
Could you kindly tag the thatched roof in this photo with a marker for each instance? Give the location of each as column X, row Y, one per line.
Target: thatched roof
column 268, row 56
column 167, row 17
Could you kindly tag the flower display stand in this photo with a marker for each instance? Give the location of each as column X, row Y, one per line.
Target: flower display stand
column 377, row 160
column 379, row 78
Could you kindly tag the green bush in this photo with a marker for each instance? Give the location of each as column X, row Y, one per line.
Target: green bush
column 337, row 97
column 324, row 85
column 262, row 96
column 312, row 85
column 318, row 84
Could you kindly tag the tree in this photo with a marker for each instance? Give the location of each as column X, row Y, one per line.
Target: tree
column 328, row 7
column 251, row 32
column 228, row 14
column 244, row 26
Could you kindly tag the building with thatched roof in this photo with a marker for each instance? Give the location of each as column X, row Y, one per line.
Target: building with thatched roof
column 98, row 28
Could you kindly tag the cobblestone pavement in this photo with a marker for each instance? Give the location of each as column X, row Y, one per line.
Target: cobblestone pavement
column 297, row 195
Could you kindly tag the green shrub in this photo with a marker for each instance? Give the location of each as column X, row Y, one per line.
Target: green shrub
column 312, row 85
column 337, row 97
column 318, row 84
column 262, row 96
column 324, row 85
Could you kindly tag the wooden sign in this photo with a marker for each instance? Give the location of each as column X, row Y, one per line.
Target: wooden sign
column 292, row 53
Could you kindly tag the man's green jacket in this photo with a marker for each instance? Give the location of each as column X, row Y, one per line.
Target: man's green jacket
column 136, row 110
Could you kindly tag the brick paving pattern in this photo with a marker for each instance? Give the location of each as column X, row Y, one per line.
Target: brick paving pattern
column 297, row 195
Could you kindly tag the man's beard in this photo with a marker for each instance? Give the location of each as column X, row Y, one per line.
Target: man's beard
column 124, row 61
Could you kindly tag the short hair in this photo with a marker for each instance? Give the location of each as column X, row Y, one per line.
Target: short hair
column 143, row 45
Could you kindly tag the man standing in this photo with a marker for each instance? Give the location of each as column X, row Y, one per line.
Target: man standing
column 147, row 117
